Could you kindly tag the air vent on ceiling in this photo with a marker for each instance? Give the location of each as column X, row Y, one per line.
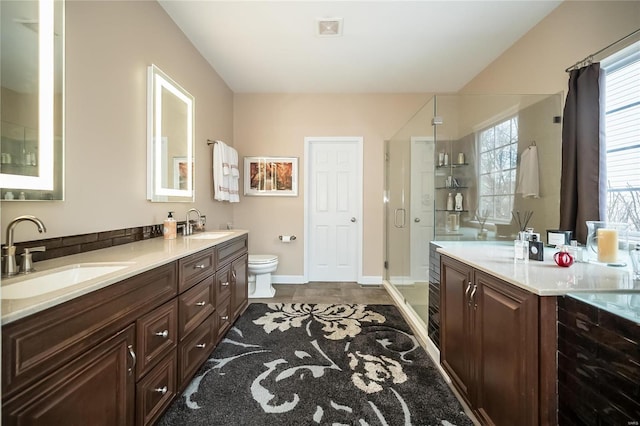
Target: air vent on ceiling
column 329, row 27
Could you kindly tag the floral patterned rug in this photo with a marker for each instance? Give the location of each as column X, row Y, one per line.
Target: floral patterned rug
column 302, row 364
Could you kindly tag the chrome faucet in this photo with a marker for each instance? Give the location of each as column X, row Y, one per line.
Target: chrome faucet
column 9, row 257
column 188, row 228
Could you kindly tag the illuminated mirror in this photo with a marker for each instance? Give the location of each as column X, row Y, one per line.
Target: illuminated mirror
column 170, row 139
column 32, row 99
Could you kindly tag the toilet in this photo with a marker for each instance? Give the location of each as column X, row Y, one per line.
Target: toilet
column 260, row 268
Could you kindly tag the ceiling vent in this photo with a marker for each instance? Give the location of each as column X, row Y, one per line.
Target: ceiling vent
column 329, row 27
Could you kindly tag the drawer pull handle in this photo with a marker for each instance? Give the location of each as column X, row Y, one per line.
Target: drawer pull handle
column 199, row 266
column 201, row 303
column 164, row 334
column 163, row 390
column 201, row 345
column 224, row 318
column 133, row 359
column 225, row 284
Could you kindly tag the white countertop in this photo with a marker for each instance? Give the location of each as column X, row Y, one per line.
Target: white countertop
column 140, row 256
column 542, row 278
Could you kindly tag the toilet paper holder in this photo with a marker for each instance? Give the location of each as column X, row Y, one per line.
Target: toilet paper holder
column 291, row 237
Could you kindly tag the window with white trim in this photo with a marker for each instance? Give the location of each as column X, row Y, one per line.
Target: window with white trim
column 498, row 156
column 622, row 130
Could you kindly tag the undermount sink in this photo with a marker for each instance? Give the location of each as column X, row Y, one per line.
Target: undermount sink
column 44, row 282
column 209, row 235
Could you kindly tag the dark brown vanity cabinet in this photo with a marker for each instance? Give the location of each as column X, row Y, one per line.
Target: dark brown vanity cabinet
column 119, row 355
column 80, row 360
column 493, row 349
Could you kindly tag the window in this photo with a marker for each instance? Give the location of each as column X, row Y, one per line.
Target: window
column 622, row 130
column 498, row 155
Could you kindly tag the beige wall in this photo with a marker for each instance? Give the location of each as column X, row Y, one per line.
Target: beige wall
column 574, row 30
column 110, row 44
column 276, row 124
column 108, row 48
column 537, row 63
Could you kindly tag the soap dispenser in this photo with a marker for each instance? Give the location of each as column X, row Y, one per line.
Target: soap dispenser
column 170, row 227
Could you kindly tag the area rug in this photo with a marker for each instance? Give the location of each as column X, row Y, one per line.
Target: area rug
column 304, row 364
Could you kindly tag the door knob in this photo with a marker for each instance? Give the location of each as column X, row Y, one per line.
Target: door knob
column 416, row 220
column 353, row 219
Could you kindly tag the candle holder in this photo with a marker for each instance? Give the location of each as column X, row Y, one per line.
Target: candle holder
column 606, row 242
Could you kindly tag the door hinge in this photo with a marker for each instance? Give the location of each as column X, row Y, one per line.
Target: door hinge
column 386, row 264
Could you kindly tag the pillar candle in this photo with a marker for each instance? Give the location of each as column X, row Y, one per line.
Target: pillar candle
column 607, row 245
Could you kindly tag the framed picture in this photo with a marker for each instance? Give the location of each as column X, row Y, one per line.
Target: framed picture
column 271, row 176
column 180, row 173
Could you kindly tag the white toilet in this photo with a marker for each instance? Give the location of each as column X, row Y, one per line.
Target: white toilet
column 260, row 268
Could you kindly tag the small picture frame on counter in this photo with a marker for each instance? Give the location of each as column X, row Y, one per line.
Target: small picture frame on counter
column 557, row 237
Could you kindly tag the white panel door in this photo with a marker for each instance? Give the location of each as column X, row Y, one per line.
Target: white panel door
column 334, row 201
column 421, row 216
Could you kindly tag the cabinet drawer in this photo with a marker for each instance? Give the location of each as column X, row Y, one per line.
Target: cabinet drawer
column 229, row 250
column 195, row 348
column 156, row 390
column 195, row 305
column 223, row 283
column 156, row 336
column 41, row 343
column 194, row 268
column 223, row 312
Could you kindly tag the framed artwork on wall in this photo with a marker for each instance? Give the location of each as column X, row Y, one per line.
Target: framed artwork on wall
column 271, row 176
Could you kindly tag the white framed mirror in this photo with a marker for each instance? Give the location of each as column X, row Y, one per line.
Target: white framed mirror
column 170, row 122
column 31, row 116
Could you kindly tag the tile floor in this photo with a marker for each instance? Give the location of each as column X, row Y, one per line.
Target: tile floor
column 328, row 292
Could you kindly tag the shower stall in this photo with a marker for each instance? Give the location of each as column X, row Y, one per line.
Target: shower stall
column 451, row 174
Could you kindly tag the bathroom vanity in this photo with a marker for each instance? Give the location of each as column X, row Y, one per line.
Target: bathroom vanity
column 499, row 334
column 118, row 348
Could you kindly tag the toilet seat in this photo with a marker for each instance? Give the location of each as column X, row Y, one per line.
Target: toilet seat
column 258, row 259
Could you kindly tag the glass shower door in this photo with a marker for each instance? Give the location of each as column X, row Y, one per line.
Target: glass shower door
column 409, row 172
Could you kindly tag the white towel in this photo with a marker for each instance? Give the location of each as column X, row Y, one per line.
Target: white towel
column 220, row 181
column 234, row 178
column 528, row 179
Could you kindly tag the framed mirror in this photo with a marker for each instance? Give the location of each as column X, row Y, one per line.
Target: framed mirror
column 32, row 100
column 170, row 122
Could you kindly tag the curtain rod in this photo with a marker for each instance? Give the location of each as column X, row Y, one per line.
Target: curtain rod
column 589, row 58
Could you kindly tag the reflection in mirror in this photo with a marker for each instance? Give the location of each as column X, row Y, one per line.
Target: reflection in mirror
column 170, row 139
column 31, row 112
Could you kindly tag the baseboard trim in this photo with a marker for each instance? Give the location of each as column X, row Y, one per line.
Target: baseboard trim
column 370, row 280
column 418, row 327
column 420, row 330
column 288, row 279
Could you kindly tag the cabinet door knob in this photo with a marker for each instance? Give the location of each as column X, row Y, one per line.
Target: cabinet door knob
column 224, row 318
column 199, row 267
column 133, row 359
column 416, row 220
column 163, row 390
column 201, row 345
column 225, row 284
column 164, row 334
column 201, row 303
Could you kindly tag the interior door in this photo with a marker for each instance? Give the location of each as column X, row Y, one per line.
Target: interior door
column 334, row 198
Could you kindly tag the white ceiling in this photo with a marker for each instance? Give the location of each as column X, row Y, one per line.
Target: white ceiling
column 386, row 46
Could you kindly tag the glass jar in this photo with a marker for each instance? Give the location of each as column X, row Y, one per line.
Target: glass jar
column 607, row 241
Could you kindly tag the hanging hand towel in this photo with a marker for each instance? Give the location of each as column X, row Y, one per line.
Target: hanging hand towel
column 234, row 183
column 528, row 179
column 220, row 181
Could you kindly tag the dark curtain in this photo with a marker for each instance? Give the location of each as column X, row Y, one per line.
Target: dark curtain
column 582, row 183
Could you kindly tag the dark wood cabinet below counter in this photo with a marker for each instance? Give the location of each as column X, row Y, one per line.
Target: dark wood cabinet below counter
column 119, row 355
column 498, row 343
